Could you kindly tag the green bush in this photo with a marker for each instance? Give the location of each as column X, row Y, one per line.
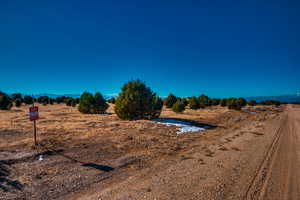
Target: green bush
column 28, row 100
column 242, row 102
column 69, row 101
column 203, row 101
column 234, row 104
column 252, row 103
column 5, row 101
column 43, row 100
column 194, row 103
column 73, row 102
column 16, row 96
column 223, row 102
column 185, row 101
column 18, row 102
column 92, row 104
column 215, row 102
column 178, row 107
column 170, row 100
column 136, row 101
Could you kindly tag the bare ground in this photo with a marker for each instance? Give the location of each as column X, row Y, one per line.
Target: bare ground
column 248, row 156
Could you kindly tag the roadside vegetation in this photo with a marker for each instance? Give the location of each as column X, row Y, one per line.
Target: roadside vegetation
column 135, row 101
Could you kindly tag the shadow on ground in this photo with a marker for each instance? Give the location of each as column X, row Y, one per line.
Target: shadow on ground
column 104, row 168
column 6, row 184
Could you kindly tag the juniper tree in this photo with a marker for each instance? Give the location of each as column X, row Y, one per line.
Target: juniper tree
column 170, row 100
column 5, row 101
column 18, row 102
column 178, row 107
column 137, row 101
column 92, row 104
column 28, row 100
column 194, row 103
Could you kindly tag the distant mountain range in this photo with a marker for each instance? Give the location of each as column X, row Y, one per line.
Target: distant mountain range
column 289, row 98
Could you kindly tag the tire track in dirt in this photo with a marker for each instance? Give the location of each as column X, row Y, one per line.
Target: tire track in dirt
column 278, row 176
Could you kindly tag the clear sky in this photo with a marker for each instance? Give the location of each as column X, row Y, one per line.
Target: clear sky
column 220, row 48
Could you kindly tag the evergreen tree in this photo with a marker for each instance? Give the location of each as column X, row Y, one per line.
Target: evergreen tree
column 100, row 105
column 16, row 96
column 223, row 102
column 178, row 107
column 194, row 103
column 92, row 104
column 28, row 100
column 252, row 103
column 137, row 101
column 18, row 102
column 170, row 100
column 203, row 101
column 5, row 101
column 242, row 102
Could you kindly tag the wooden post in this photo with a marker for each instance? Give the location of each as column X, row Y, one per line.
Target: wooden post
column 34, row 131
column 34, row 124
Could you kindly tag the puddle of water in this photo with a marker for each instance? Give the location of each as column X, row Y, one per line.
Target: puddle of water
column 184, row 126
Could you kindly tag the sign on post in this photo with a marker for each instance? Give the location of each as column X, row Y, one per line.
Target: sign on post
column 33, row 116
column 33, row 113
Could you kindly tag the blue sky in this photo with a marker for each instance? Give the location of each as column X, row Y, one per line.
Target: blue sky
column 220, row 48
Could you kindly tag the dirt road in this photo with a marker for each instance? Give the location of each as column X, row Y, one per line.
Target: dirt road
column 278, row 176
column 249, row 163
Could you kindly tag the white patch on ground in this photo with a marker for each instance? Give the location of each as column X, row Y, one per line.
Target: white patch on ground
column 183, row 126
column 41, row 158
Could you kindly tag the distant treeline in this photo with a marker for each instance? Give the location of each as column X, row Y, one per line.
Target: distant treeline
column 17, row 99
column 135, row 101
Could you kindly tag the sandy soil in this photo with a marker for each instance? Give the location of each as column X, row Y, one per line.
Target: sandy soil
column 102, row 157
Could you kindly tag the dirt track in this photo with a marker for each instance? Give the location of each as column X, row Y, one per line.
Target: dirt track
column 262, row 167
column 278, row 177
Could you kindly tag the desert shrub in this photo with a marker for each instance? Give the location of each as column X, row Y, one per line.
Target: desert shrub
column 43, row 100
column 194, row 103
column 271, row 102
column 203, row 101
column 137, row 101
column 51, row 101
column 74, row 102
column 178, row 107
column 28, row 100
column 185, row 101
column 277, row 103
column 5, row 101
column 234, row 104
column 100, row 103
column 18, row 102
column 214, row 102
column 252, row 103
column 59, row 100
column 223, row 102
column 170, row 100
column 16, row 96
column 92, row 104
column 242, row 102
column 69, row 101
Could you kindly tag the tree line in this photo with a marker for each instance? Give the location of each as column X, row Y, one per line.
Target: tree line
column 135, row 101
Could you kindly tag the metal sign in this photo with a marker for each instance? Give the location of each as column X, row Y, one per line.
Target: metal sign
column 33, row 113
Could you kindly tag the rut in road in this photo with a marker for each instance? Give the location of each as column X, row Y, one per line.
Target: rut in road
column 278, row 176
